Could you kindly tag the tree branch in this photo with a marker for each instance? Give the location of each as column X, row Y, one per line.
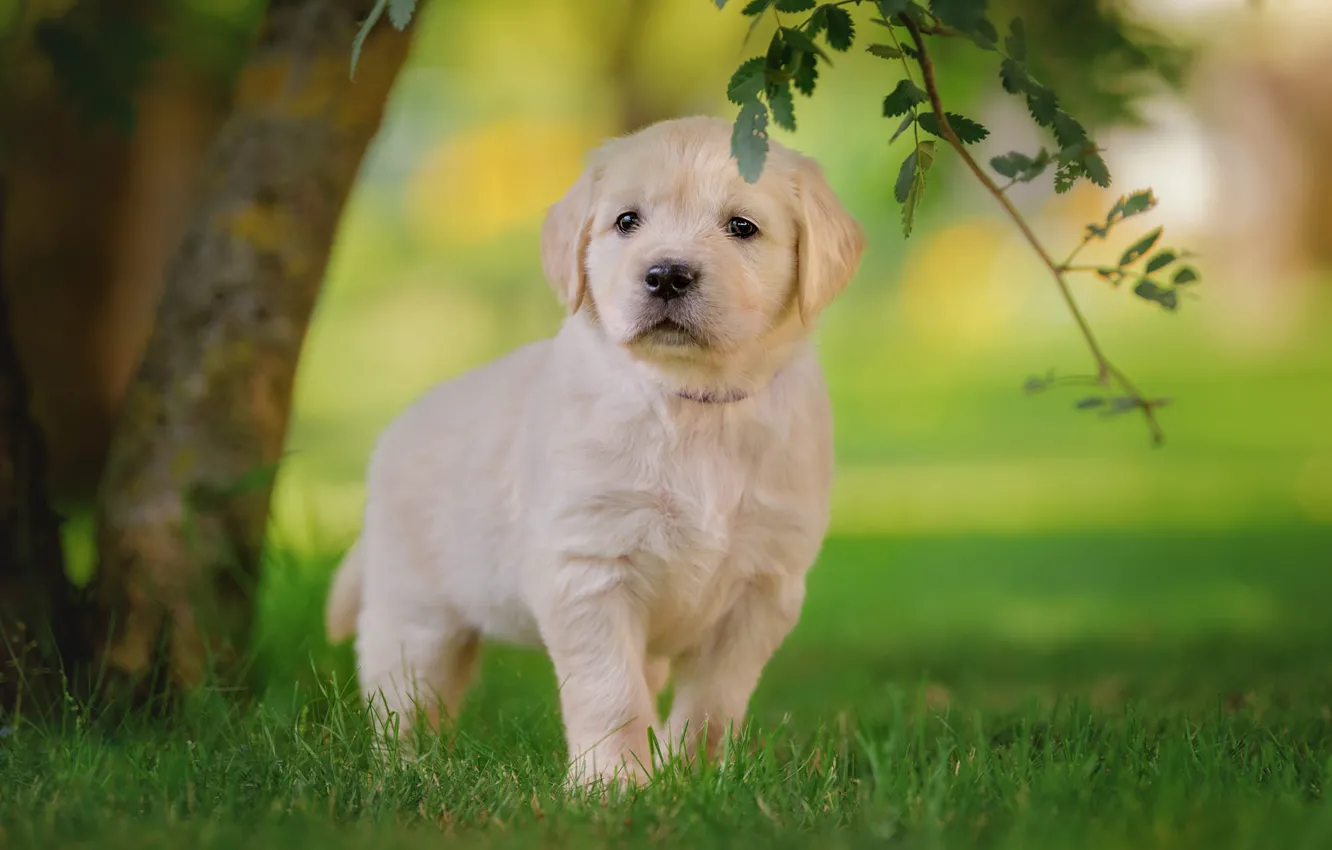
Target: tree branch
column 1106, row 371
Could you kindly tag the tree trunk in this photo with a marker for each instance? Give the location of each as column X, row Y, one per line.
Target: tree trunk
column 184, row 499
column 37, row 603
column 81, row 318
column 636, row 104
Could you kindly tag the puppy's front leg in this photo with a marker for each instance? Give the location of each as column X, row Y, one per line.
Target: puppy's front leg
column 714, row 681
column 597, row 641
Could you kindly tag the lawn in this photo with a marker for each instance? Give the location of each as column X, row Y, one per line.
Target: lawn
column 1119, row 691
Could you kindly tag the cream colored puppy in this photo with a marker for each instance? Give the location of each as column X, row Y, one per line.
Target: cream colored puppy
column 641, row 494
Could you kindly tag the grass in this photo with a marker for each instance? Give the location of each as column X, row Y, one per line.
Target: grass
column 1121, row 691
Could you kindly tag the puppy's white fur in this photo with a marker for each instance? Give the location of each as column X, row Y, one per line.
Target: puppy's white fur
column 634, row 502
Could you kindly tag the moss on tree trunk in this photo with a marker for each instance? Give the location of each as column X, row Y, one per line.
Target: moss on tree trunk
column 184, row 499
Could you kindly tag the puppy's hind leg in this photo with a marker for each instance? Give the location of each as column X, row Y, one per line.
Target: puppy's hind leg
column 414, row 667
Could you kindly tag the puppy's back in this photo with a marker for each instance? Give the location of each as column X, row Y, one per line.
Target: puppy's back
column 441, row 474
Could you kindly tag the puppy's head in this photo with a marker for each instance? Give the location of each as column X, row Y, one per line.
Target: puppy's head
column 679, row 258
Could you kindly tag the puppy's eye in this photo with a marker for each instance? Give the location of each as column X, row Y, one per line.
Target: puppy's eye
column 627, row 222
column 742, row 228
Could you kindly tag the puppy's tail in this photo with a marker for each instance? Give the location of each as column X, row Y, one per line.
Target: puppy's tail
column 344, row 597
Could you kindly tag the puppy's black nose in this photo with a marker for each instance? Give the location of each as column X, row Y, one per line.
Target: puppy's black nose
column 669, row 280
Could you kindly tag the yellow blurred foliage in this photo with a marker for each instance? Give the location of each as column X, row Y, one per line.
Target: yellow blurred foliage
column 483, row 181
column 951, row 292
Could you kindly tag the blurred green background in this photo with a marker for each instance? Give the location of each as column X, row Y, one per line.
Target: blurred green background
column 437, row 271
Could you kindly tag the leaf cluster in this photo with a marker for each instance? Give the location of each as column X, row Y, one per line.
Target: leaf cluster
column 1160, row 274
column 761, row 88
column 764, row 87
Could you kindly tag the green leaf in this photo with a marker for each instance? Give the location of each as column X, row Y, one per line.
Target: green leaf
column 756, row 7
column 1066, row 175
column 782, row 105
column 817, row 23
column 781, row 55
column 921, row 161
column 1142, row 246
column 1018, row 166
column 968, row 18
column 1096, row 169
column 889, row 8
column 841, row 29
column 1068, row 131
column 968, row 131
column 1011, row 164
column 1035, row 384
column 400, row 13
column 905, row 175
column 903, row 98
column 985, row 36
column 1016, row 42
column 359, row 41
column 1122, row 404
column 1014, row 77
column 912, row 202
column 965, row 15
column 1160, row 260
column 1041, row 103
column 801, row 41
column 749, row 140
column 807, row 74
column 924, row 159
column 926, row 151
column 1038, row 166
column 1089, row 402
column 1135, row 204
column 747, row 81
column 721, row 4
column 1112, row 274
column 1147, row 289
column 795, row 5
column 907, row 121
column 1150, row 291
column 1185, row 275
column 885, row 51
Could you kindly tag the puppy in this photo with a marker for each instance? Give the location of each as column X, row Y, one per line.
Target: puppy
column 641, row 495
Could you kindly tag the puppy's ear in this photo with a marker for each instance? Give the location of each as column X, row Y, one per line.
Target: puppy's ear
column 564, row 237
column 830, row 242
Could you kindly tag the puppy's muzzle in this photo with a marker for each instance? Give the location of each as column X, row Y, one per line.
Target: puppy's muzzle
column 669, row 279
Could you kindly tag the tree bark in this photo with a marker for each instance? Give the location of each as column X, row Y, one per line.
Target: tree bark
column 184, row 498
column 38, row 617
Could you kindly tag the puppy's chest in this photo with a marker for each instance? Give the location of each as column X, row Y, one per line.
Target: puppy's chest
column 677, row 509
column 688, row 525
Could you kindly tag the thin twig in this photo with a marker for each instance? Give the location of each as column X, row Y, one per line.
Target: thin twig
column 1068, row 263
column 1105, row 369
